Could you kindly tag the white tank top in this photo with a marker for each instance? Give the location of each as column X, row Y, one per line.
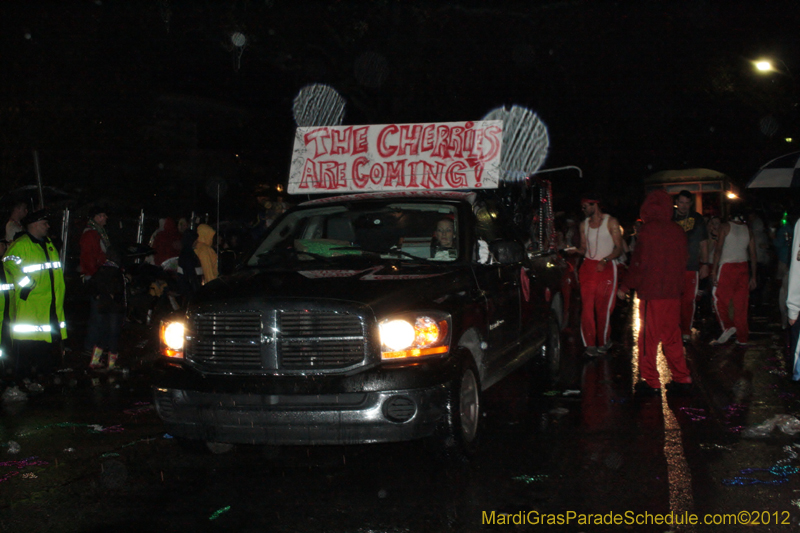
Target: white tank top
column 736, row 247
column 599, row 243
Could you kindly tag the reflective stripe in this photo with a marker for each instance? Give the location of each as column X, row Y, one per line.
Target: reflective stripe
column 15, row 258
column 6, row 287
column 41, row 266
column 30, row 328
column 24, row 282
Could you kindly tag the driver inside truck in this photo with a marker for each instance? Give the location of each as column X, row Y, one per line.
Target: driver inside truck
column 443, row 246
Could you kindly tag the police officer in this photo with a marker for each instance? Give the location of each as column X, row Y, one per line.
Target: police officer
column 6, row 308
column 33, row 266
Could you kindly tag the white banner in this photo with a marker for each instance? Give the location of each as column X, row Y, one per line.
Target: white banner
column 396, row 157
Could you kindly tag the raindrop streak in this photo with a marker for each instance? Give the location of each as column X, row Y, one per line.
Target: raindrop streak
column 318, row 105
column 525, row 142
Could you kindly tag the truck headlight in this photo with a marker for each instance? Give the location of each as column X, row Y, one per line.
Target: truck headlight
column 415, row 335
column 173, row 337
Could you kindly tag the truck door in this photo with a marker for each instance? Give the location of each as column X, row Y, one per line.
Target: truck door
column 500, row 286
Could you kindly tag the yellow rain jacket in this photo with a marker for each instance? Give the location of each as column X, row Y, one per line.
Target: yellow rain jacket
column 37, row 275
column 6, row 312
column 206, row 253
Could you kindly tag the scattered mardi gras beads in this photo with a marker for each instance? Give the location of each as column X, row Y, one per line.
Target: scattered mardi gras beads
column 137, row 411
column 8, row 476
column 30, row 461
column 23, row 463
column 219, row 512
column 694, row 413
column 706, row 446
column 151, row 439
column 753, row 481
column 97, row 428
column 110, row 429
column 530, row 479
column 779, row 469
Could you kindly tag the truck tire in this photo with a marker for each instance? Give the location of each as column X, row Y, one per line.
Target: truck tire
column 464, row 412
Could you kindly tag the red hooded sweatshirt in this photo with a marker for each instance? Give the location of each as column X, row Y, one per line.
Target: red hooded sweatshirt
column 167, row 242
column 659, row 259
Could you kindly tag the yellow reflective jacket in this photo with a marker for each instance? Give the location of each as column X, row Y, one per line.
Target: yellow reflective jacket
column 29, row 266
column 6, row 311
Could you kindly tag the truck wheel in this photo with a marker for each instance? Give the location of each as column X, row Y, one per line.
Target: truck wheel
column 465, row 410
column 551, row 353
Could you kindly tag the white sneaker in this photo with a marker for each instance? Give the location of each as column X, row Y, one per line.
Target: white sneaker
column 725, row 337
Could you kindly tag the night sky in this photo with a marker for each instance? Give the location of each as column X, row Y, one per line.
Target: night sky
column 148, row 103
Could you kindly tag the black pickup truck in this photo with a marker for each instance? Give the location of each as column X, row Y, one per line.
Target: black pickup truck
column 352, row 323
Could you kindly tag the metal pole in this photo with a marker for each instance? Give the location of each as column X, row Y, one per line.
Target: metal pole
column 217, row 218
column 38, row 178
column 580, row 172
column 140, row 230
column 140, row 234
column 64, row 235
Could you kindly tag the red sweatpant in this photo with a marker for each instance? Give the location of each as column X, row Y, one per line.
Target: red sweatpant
column 688, row 300
column 661, row 319
column 598, row 297
column 733, row 285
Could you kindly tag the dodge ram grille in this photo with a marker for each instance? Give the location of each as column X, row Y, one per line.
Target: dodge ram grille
column 280, row 340
column 227, row 341
column 320, row 340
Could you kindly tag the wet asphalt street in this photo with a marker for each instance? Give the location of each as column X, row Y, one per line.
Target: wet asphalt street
column 94, row 457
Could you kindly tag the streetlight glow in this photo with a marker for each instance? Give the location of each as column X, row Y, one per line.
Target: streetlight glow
column 763, row 65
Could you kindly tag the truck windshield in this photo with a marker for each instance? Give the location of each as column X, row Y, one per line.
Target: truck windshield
column 403, row 231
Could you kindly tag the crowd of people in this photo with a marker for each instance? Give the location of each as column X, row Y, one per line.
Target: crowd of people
column 180, row 256
column 679, row 261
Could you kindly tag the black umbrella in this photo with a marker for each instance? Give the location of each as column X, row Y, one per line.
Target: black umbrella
column 53, row 197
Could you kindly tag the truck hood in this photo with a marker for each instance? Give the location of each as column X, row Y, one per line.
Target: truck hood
column 381, row 287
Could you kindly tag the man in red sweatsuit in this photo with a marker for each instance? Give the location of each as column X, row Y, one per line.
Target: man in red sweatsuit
column 657, row 272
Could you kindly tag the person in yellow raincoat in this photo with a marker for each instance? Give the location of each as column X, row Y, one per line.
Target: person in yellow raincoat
column 33, row 266
column 6, row 314
column 204, row 249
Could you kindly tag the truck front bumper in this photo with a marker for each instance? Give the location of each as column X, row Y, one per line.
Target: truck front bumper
column 342, row 418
